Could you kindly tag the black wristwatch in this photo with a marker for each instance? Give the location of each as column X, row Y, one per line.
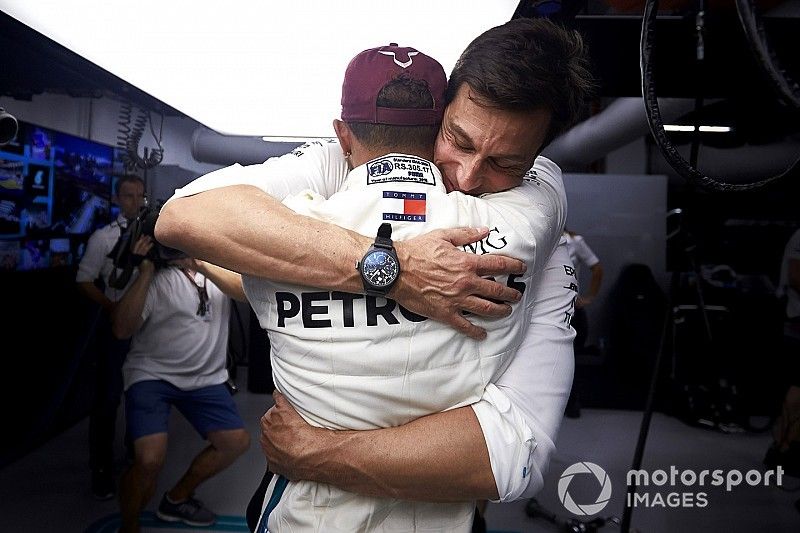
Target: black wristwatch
column 379, row 267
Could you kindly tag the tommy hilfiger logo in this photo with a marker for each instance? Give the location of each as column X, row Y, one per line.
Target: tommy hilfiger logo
column 404, row 206
column 401, row 64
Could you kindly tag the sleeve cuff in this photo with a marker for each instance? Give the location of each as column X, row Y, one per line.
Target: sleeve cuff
column 510, row 443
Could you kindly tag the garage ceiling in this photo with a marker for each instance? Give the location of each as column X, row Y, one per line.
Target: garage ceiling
column 32, row 64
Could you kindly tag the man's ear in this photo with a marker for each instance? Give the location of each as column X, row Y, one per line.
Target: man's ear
column 344, row 135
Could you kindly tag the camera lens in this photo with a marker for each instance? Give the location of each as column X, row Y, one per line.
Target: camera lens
column 8, row 127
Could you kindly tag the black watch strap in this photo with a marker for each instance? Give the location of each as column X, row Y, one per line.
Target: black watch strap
column 384, row 238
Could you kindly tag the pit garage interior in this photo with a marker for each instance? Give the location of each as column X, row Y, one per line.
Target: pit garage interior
column 687, row 197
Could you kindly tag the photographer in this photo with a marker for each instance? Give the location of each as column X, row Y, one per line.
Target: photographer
column 177, row 313
column 97, row 279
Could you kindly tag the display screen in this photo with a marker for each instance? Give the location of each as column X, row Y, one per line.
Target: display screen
column 55, row 190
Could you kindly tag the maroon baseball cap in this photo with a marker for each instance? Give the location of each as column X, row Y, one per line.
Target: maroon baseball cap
column 372, row 69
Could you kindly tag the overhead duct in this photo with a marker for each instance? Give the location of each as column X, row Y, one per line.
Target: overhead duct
column 624, row 121
column 211, row 147
column 621, row 122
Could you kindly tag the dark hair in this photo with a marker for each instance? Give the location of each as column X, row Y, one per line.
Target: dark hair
column 528, row 64
column 400, row 93
column 127, row 178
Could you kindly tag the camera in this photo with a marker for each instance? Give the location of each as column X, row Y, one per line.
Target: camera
column 122, row 254
column 8, row 127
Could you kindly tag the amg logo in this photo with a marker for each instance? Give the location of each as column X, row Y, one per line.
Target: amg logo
column 495, row 240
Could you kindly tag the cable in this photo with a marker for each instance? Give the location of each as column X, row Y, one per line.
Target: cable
column 129, row 136
column 124, row 130
column 700, row 56
column 788, row 90
column 668, row 150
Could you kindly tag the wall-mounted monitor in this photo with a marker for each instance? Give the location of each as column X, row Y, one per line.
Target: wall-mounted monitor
column 55, row 190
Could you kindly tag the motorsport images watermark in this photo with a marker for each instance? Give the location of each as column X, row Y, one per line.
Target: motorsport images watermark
column 686, row 487
column 585, row 508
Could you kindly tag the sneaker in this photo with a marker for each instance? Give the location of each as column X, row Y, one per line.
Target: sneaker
column 103, row 484
column 191, row 512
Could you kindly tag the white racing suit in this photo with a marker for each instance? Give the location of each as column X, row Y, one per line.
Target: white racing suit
column 349, row 361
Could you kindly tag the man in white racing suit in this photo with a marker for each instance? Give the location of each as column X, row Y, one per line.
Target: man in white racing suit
column 352, row 361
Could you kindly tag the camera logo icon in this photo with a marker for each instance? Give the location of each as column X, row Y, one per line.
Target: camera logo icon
column 584, row 509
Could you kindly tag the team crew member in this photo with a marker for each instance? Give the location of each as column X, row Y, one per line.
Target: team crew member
column 581, row 255
column 487, row 141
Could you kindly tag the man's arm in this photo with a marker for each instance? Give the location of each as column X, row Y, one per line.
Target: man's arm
column 587, row 257
column 521, row 417
column 230, row 283
column 90, row 290
column 244, row 229
column 493, row 450
column 126, row 317
column 594, row 286
column 89, row 270
column 440, row 457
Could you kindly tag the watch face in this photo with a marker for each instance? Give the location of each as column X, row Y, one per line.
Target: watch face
column 380, row 268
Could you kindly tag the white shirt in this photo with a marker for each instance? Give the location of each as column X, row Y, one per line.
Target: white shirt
column 95, row 262
column 790, row 252
column 174, row 343
column 580, row 253
column 519, row 415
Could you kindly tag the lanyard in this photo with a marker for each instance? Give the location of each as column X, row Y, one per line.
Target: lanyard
column 202, row 293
